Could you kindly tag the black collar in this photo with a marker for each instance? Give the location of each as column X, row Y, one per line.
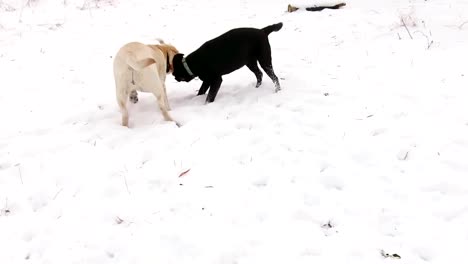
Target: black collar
column 168, row 68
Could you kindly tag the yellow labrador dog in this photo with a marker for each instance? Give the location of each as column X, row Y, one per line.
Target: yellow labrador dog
column 143, row 67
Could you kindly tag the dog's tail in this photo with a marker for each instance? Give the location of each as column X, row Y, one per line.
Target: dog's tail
column 138, row 65
column 271, row 28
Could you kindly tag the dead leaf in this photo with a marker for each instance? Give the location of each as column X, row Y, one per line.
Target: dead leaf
column 118, row 220
column 183, row 173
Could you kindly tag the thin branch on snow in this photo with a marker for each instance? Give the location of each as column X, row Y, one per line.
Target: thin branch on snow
column 403, row 157
column 143, row 164
column 196, row 140
column 55, row 196
column 407, row 30
column 429, row 41
column 5, row 210
column 125, row 179
column 126, row 185
column 462, row 24
column 20, row 174
column 328, row 225
column 387, row 255
column 430, row 44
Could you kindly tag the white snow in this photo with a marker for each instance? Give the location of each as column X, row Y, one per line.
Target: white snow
column 365, row 148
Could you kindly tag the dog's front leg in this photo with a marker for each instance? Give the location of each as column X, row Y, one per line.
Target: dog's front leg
column 204, row 87
column 215, row 84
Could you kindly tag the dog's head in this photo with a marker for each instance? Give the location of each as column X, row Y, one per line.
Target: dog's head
column 180, row 71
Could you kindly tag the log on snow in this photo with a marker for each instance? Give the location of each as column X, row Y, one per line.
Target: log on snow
column 316, row 7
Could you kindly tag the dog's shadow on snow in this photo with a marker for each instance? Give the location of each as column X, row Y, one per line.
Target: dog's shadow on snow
column 229, row 95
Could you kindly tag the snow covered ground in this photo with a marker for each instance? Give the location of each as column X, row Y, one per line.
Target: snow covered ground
column 365, row 149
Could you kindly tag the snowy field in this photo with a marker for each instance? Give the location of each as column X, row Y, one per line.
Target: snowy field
column 363, row 153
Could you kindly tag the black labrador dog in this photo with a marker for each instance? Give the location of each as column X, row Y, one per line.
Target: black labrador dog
column 225, row 54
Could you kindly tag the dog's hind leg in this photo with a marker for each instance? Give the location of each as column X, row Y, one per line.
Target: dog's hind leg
column 258, row 74
column 121, row 93
column 214, row 88
column 122, row 102
column 265, row 62
column 269, row 71
column 124, row 111
column 204, row 87
column 166, row 100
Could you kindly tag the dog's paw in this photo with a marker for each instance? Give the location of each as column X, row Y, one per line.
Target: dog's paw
column 258, row 84
column 133, row 97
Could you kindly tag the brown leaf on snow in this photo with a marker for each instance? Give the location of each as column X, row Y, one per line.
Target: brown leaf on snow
column 118, row 220
column 183, row 173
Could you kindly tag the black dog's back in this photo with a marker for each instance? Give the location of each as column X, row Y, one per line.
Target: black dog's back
column 233, row 49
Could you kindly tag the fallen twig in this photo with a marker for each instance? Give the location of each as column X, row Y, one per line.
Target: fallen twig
column 126, row 185
column 407, row 30
column 55, row 196
column 5, row 210
column 386, row 255
column 20, row 174
column 462, row 24
column 328, row 225
column 429, row 41
column 404, row 157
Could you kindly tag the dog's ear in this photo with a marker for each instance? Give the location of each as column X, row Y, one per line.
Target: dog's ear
column 174, row 50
